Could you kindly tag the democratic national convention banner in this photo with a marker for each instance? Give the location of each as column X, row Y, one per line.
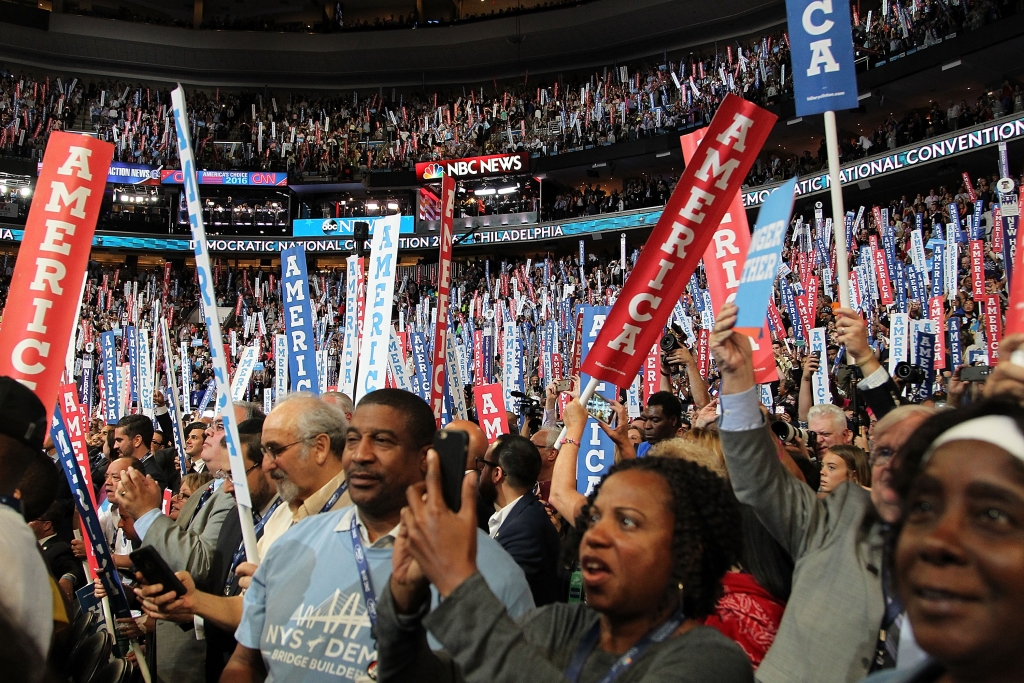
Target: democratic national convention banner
column 473, row 167
column 342, row 227
column 298, row 321
column 723, row 264
column 380, row 290
column 678, row 241
column 821, row 51
column 46, row 286
column 444, row 284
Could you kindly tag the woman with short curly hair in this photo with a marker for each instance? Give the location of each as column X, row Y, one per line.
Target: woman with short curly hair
column 653, row 541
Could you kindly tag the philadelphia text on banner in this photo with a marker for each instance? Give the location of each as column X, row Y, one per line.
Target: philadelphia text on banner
column 679, row 239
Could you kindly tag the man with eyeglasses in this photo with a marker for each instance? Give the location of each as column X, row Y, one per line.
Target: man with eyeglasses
column 302, row 447
column 303, row 444
column 329, row 569
column 837, row 542
column 222, row 584
column 188, row 542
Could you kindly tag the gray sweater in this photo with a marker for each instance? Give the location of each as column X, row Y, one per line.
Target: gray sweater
column 484, row 645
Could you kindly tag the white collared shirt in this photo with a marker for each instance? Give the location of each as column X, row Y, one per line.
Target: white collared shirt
column 385, row 541
column 498, row 518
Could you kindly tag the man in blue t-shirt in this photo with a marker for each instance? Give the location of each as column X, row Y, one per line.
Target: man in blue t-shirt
column 662, row 418
column 306, row 615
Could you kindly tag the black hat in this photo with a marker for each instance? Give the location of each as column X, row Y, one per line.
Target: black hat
column 22, row 415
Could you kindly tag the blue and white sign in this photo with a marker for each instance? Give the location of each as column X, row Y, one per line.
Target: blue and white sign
column 420, row 379
column 280, row 367
column 597, row 450
column 762, row 264
column 820, row 392
column 298, row 321
column 511, row 365
column 897, row 341
column 396, row 363
column 111, row 404
column 243, row 371
column 380, row 291
column 821, row 51
column 350, row 347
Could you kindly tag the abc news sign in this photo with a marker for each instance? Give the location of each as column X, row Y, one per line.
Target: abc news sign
column 473, row 167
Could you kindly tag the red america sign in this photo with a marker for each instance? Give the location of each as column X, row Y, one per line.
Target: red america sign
column 473, row 167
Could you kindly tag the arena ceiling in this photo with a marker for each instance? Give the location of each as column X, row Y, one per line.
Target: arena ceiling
column 603, row 32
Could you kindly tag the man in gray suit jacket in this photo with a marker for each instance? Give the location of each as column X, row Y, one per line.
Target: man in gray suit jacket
column 187, row 544
column 839, row 615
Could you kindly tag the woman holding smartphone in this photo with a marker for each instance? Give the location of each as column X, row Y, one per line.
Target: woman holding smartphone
column 670, row 522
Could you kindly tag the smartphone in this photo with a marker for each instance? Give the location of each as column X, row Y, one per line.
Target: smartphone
column 156, row 570
column 601, row 410
column 975, row 373
column 563, row 385
column 452, row 446
column 780, row 410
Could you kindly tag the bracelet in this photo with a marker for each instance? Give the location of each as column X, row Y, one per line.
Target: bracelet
column 574, row 442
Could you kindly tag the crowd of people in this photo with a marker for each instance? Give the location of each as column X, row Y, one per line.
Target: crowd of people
column 898, row 27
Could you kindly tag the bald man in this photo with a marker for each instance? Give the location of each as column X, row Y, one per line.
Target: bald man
column 477, row 450
column 477, row 441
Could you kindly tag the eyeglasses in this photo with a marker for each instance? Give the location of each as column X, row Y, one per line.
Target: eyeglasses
column 252, row 468
column 485, row 462
column 217, row 426
column 881, row 456
column 181, row 496
column 274, row 452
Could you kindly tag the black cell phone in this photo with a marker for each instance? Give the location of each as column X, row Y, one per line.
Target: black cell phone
column 156, row 570
column 975, row 373
column 452, row 446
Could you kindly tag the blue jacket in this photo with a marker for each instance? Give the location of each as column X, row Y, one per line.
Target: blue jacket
column 528, row 535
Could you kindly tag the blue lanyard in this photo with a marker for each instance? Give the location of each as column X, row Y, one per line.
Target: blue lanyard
column 589, row 642
column 240, row 553
column 365, row 582
column 338, row 493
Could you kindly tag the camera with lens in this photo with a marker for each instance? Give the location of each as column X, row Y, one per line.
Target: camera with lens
column 527, row 406
column 670, row 342
column 790, row 434
column 911, row 374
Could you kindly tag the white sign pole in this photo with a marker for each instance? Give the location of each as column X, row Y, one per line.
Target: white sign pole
column 838, row 216
column 216, row 339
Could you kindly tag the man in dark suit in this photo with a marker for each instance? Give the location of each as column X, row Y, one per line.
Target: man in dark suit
column 66, row 570
column 133, row 437
column 521, row 525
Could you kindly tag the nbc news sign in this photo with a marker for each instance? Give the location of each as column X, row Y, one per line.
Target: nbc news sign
column 473, row 167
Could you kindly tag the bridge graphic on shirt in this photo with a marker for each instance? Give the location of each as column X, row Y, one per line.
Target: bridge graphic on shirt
column 340, row 609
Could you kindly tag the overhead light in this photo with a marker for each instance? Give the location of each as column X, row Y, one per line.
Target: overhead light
column 372, row 206
column 662, row 154
column 600, row 165
column 507, row 190
column 26, row 191
column 483, row 192
column 392, row 206
column 3, row 189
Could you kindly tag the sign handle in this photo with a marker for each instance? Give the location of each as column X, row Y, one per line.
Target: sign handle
column 838, row 219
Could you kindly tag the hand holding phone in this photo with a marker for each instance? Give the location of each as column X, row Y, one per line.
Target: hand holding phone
column 452, row 446
column 156, row 570
column 601, row 410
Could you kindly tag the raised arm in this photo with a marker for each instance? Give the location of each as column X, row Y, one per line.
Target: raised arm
column 789, row 509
